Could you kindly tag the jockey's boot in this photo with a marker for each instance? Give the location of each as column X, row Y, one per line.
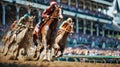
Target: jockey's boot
column 40, row 24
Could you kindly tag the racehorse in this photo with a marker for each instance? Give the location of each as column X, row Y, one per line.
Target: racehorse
column 60, row 40
column 7, row 37
column 48, row 31
column 23, row 38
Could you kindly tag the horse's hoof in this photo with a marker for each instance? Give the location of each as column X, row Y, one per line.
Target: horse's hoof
column 12, row 58
column 51, row 60
column 35, row 56
column 22, row 53
column 59, row 56
column 53, row 56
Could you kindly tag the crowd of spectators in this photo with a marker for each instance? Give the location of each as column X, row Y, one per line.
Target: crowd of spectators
column 97, row 40
column 87, row 12
column 85, row 50
column 78, row 9
column 92, row 45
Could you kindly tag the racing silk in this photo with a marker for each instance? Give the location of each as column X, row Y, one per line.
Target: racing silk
column 20, row 25
column 21, row 21
column 64, row 25
column 47, row 12
column 14, row 26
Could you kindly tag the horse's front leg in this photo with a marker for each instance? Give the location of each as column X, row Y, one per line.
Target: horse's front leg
column 49, row 52
column 18, row 50
column 61, row 53
column 55, row 50
column 35, row 39
column 9, row 46
column 36, row 44
column 44, row 40
column 4, row 43
column 45, row 47
column 61, row 50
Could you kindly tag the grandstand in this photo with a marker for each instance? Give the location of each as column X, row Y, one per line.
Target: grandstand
column 95, row 32
column 116, row 12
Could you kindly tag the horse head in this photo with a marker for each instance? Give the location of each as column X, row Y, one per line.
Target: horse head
column 57, row 13
column 30, row 25
column 31, row 20
column 60, row 13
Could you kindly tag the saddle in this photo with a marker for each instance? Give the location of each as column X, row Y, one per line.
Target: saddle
column 43, row 23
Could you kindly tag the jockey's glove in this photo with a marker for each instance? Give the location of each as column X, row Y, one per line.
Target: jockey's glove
column 48, row 16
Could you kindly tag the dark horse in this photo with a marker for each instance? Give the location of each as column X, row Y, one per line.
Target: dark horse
column 48, row 31
column 60, row 40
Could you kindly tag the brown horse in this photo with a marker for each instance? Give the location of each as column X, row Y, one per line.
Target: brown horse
column 60, row 40
column 48, row 31
column 22, row 39
column 6, row 38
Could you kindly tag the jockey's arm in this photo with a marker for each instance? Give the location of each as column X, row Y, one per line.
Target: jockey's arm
column 20, row 22
column 61, row 26
column 13, row 25
column 44, row 14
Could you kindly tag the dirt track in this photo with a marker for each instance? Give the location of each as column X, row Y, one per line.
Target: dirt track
column 52, row 64
column 5, row 62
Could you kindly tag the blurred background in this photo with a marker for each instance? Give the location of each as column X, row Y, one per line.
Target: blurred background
column 96, row 23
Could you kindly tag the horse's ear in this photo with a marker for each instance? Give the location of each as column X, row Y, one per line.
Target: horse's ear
column 60, row 6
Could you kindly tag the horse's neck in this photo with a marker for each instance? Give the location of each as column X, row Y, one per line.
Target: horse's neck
column 62, row 32
column 66, row 34
column 48, row 22
column 52, row 23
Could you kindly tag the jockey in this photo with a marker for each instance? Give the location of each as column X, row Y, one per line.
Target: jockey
column 46, row 13
column 22, row 22
column 65, row 23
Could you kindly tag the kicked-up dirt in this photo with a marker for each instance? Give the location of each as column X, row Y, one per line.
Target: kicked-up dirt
column 5, row 61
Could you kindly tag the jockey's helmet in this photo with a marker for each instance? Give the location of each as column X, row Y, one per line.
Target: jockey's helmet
column 53, row 3
column 69, row 19
column 26, row 15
